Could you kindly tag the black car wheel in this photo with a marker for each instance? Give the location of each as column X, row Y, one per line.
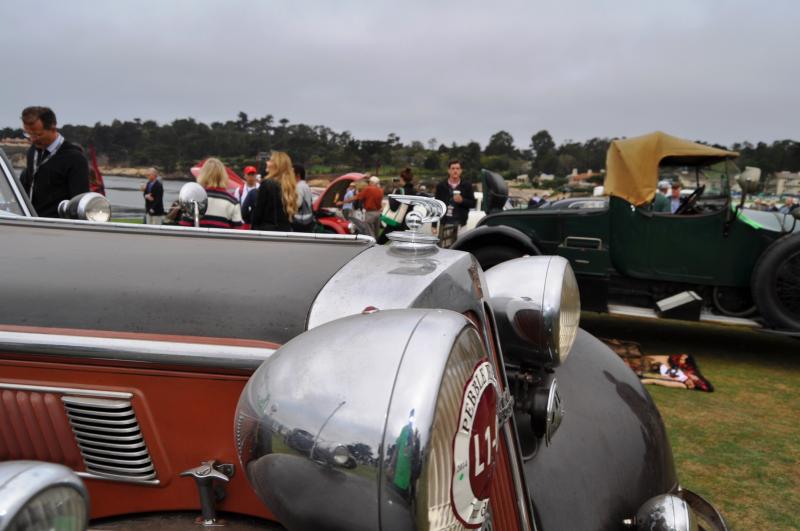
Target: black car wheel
column 776, row 283
column 490, row 255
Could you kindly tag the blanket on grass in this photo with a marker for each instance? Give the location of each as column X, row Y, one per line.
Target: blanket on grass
column 674, row 370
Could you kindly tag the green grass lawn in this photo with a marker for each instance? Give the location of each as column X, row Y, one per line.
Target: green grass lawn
column 740, row 445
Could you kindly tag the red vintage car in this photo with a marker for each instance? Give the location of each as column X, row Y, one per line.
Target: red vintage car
column 327, row 213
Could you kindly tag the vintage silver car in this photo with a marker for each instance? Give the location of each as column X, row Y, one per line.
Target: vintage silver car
column 310, row 382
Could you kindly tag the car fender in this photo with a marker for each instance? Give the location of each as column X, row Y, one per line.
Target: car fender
column 496, row 235
column 611, row 451
column 335, row 224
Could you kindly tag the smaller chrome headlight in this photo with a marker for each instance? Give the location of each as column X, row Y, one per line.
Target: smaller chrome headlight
column 537, row 305
column 35, row 495
column 90, row 206
column 547, row 411
column 665, row 512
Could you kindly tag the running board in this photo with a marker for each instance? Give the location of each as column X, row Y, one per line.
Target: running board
column 705, row 316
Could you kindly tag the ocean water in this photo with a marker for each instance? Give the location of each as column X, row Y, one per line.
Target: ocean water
column 127, row 200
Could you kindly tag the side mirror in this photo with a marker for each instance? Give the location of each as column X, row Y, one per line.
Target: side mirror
column 90, row 206
column 796, row 213
column 36, row 495
column 537, row 306
column 193, row 200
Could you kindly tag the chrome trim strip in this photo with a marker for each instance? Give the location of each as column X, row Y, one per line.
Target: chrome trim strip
column 101, row 452
column 93, row 438
column 110, row 226
column 65, row 390
column 135, row 464
column 112, row 477
column 89, row 420
column 77, row 409
column 137, row 350
column 524, row 505
column 596, row 243
column 95, row 403
column 102, row 444
column 134, row 428
column 133, row 474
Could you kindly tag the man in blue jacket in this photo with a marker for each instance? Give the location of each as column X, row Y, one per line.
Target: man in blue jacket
column 153, row 199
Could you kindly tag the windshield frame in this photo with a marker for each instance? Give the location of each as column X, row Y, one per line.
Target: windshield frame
column 13, row 183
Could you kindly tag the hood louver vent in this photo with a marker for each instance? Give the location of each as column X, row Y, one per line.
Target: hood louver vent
column 109, row 438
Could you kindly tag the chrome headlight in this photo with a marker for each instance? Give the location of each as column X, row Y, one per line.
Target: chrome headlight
column 380, row 421
column 90, row 206
column 537, row 305
column 35, row 495
column 665, row 512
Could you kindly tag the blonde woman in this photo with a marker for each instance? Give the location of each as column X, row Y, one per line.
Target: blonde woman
column 224, row 211
column 276, row 203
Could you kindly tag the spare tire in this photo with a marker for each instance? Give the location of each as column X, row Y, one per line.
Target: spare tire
column 776, row 283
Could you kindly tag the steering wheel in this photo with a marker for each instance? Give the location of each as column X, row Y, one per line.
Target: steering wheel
column 691, row 199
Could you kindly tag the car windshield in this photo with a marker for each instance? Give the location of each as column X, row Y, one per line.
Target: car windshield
column 8, row 201
column 715, row 177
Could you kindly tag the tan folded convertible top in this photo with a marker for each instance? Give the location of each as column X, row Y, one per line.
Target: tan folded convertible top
column 632, row 164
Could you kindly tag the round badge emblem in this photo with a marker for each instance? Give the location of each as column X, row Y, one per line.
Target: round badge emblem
column 475, row 447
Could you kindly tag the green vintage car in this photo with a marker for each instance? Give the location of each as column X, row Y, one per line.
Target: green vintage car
column 738, row 263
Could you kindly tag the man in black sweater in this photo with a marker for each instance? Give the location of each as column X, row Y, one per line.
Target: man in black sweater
column 457, row 195
column 55, row 169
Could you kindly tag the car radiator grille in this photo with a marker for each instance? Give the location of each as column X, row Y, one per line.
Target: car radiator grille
column 109, row 438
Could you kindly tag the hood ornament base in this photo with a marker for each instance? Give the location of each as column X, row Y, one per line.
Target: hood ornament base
column 422, row 210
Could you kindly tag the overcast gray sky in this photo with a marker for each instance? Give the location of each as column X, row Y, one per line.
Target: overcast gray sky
column 716, row 70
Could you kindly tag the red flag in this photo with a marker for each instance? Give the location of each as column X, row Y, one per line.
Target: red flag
column 96, row 183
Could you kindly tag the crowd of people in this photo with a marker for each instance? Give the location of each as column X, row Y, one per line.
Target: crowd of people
column 280, row 201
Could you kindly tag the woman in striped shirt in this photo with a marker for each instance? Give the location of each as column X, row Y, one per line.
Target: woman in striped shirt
column 224, row 211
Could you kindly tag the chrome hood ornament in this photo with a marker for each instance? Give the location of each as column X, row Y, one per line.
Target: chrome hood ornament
column 421, row 210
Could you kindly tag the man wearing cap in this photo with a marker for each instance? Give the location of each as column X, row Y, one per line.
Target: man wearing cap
column 371, row 197
column 251, row 183
column 661, row 201
column 55, row 169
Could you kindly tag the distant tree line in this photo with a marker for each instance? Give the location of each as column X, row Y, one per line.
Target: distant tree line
column 176, row 146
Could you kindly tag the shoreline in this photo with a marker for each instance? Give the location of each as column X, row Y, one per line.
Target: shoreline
column 141, row 173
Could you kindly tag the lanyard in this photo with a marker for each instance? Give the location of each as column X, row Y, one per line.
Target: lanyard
column 38, row 164
column 56, row 146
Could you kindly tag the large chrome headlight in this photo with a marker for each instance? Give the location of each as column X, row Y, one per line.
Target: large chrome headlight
column 36, row 495
column 379, row 421
column 537, row 306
